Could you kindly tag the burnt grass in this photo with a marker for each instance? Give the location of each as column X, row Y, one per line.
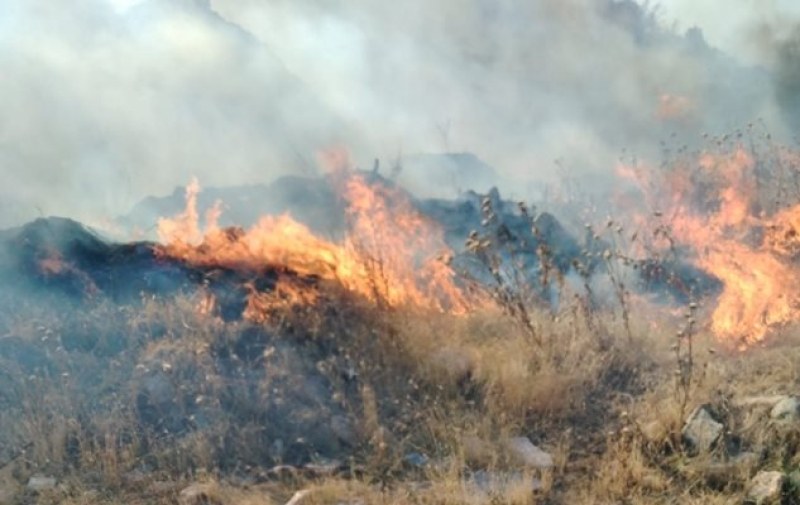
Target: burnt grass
column 107, row 368
column 113, row 379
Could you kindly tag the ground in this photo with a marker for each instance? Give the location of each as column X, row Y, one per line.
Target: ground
column 425, row 405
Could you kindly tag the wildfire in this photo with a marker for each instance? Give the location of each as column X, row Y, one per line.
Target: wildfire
column 391, row 253
column 673, row 108
column 711, row 208
column 52, row 265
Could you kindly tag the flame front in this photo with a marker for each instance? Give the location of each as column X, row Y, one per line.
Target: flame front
column 391, row 253
column 711, row 208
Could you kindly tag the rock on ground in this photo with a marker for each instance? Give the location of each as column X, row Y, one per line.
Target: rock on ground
column 701, row 430
column 765, row 488
column 768, row 401
column 787, row 409
column 525, row 453
column 198, row 494
column 299, row 497
column 40, row 483
column 502, row 483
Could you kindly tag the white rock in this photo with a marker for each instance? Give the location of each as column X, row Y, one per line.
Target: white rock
column 299, row 497
column 39, row 483
column 765, row 488
column 499, row 483
column 527, row 454
column 758, row 401
column 702, row 431
column 198, row 494
column 323, row 468
column 787, row 409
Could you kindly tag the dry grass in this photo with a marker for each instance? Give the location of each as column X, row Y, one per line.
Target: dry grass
column 451, row 388
column 427, row 383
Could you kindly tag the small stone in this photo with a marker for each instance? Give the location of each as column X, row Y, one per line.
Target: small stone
column 765, row 488
column 416, row 459
column 198, row 494
column 283, row 472
column 702, row 431
column 759, row 401
column 788, row 409
column 323, row 468
column 499, row 483
column 39, row 483
column 299, row 497
column 529, row 455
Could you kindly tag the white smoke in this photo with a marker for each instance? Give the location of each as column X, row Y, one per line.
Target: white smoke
column 101, row 107
column 106, row 101
column 735, row 26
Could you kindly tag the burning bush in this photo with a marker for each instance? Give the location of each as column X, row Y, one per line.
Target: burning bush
column 728, row 211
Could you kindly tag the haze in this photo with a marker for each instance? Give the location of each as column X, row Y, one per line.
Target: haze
column 106, row 102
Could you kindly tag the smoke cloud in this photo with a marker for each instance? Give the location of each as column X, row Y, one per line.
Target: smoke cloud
column 102, row 107
column 104, row 103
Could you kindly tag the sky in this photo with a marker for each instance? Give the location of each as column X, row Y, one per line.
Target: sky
column 107, row 101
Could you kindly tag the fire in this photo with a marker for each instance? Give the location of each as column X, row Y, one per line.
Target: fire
column 400, row 250
column 390, row 254
column 673, row 107
column 711, row 208
column 52, row 265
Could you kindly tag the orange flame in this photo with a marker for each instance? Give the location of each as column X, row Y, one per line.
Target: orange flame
column 52, row 265
column 723, row 228
column 673, row 107
column 389, row 255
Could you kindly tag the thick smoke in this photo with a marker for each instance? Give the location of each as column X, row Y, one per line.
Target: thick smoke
column 777, row 41
column 101, row 108
column 519, row 83
column 103, row 105
column 765, row 34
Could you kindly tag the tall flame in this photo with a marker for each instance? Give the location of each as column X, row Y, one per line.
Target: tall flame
column 712, row 209
column 391, row 253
